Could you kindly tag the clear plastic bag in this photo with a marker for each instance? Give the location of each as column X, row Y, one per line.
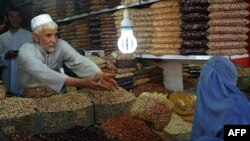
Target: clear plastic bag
column 174, row 28
column 165, row 46
column 227, row 37
column 163, row 4
column 194, row 26
column 167, row 23
column 194, row 17
column 194, row 9
column 170, row 16
column 227, row 45
column 228, row 29
column 194, row 44
column 228, row 6
column 166, row 10
column 226, row 52
column 166, row 34
column 226, row 1
column 229, row 21
column 194, row 51
column 195, row 35
column 166, row 40
column 229, row 14
column 194, row 2
column 164, row 52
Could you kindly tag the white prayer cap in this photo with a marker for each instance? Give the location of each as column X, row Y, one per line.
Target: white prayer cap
column 40, row 20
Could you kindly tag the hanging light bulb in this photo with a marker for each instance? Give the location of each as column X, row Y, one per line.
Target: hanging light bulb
column 127, row 43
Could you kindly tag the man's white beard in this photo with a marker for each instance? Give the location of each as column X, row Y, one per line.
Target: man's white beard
column 49, row 49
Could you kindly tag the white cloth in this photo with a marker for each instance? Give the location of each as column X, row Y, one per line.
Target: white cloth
column 12, row 41
column 37, row 67
column 40, row 20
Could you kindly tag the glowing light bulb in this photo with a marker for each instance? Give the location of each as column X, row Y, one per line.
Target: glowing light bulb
column 127, row 43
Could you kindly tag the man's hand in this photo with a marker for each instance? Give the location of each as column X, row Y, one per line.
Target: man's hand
column 107, row 79
column 161, row 134
column 93, row 84
column 11, row 54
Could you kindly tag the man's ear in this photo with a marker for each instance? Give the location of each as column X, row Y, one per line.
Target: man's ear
column 35, row 37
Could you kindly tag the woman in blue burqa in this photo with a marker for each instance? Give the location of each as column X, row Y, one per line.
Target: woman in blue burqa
column 218, row 102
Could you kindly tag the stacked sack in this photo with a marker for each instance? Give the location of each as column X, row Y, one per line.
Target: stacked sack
column 54, row 8
column 227, row 32
column 94, row 32
column 184, row 105
column 108, row 33
column 142, row 20
column 66, row 33
column 166, row 28
column 153, row 107
column 194, row 27
column 75, row 33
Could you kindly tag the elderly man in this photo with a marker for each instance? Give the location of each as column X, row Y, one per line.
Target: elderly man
column 39, row 61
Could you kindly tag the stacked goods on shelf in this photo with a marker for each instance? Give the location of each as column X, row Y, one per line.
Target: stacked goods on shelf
column 101, row 63
column 77, row 133
column 142, row 26
column 75, row 33
column 109, row 104
column 125, row 128
column 166, row 28
column 149, row 87
column 191, row 73
column 126, row 66
column 17, row 115
column 194, row 17
column 80, row 39
column 96, row 5
column 61, row 112
column 108, row 33
column 54, row 8
column 94, row 32
column 149, row 75
column 228, row 27
column 111, row 3
column 81, row 6
column 68, row 7
column 128, row 1
column 153, row 107
column 67, row 33
column 184, row 104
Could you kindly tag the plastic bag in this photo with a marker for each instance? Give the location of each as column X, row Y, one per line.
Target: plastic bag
column 227, row 52
column 166, row 23
column 174, row 28
column 195, row 35
column 229, row 14
column 228, row 6
column 193, row 2
column 194, row 43
column 164, row 51
column 194, row 17
column 229, row 22
column 170, row 16
column 194, row 9
column 166, row 40
column 160, row 34
column 226, row 1
column 195, row 26
column 163, row 4
column 228, row 29
column 227, row 37
column 227, row 44
column 153, row 107
column 166, row 10
column 194, row 51
column 165, row 46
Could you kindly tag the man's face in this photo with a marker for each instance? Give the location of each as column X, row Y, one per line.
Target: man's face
column 47, row 39
column 14, row 19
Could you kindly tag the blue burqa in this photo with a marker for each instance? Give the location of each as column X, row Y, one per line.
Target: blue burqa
column 219, row 102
